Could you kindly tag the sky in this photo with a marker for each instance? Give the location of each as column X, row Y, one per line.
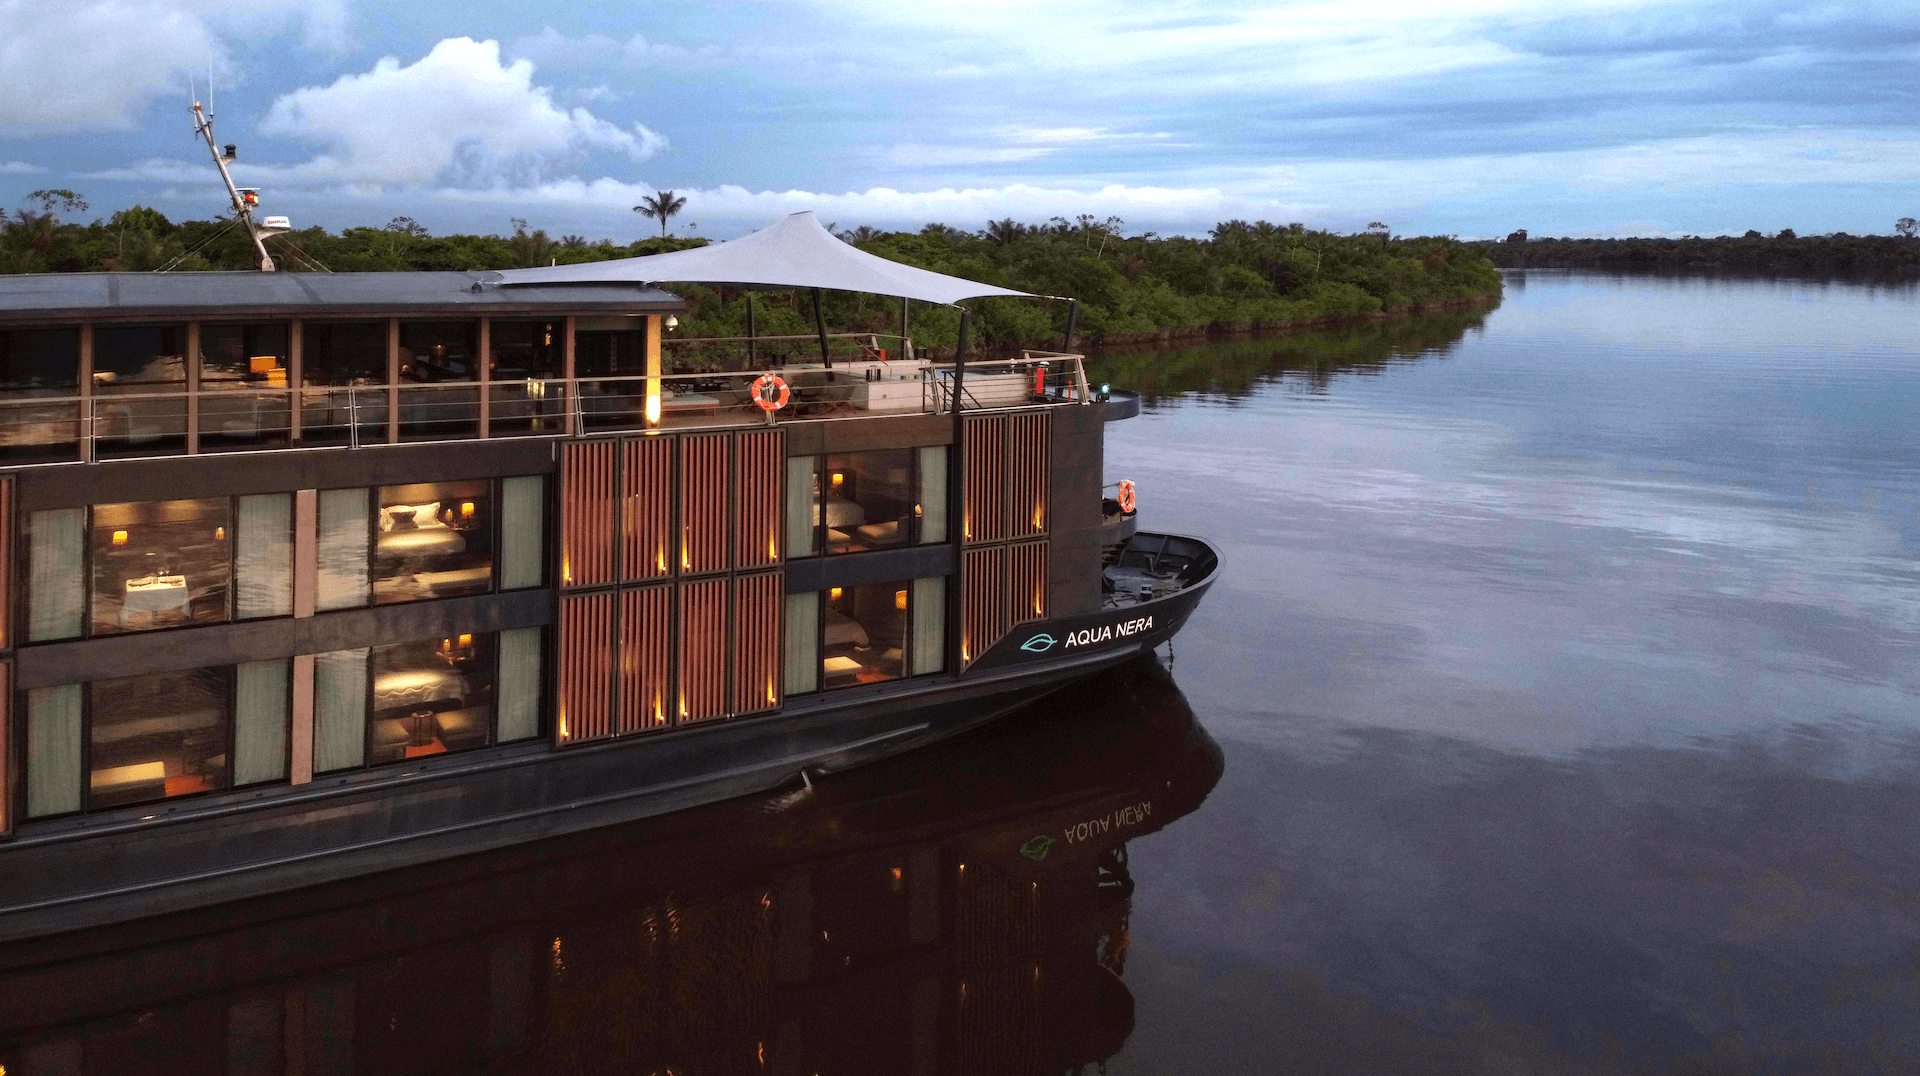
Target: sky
column 1579, row 117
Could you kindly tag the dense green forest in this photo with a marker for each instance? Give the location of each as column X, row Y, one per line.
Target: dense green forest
column 1781, row 254
column 1243, row 276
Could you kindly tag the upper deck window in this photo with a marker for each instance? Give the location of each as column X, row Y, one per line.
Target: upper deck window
column 38, row 363
column 610, row 352
column 139, row 359
column 246, row 365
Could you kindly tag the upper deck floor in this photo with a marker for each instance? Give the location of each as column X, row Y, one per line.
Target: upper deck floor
column 121, row 365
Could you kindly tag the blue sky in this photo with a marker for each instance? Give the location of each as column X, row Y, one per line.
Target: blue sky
column 1583, row 117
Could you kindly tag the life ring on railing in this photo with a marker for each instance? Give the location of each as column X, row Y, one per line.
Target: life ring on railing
column 770, row 393
column 1126, row 496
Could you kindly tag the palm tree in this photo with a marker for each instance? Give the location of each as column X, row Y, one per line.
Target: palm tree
column 659, row 207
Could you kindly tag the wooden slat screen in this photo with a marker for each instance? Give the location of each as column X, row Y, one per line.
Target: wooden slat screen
column 702, row 683
column 1029, row 473
column 759, row 607
column 984, row 509
column 1027, row 581
column 762, row 459
column 983, row 601
column 585, row 667
column 646, row 639
column 704, row 481
column 6, row 574
column 586, row 514
column 646, row 502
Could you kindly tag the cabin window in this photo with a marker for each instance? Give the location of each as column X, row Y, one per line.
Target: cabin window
column 528, row 356
column 851, row 502
column 929, row 625
column 244, row 368
column 439, row 353
column 154, row 737
column 160, row 564
column 432, row 696
column 339, row 710
column 262, row 710
column 37, row 366
column 523, row 532
column 522, row 652
column 139, row 361
column 931, row 508
column 803, row 495
column 435, row 540
column 863, row 637
column 263, row 556
column 343, row 374
column 56, row 583
column 341, row 549
column 803, row 642
column 54, row 739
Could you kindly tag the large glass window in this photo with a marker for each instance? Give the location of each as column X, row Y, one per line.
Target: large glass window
column 57, row 580
column 929, row 625
column 803, row 517
column 139, row 360
column 262, row 707
column 339, row 710
column 931, row 508
column 342, row 365
column 435, row 541
column 342, row 549
column 521, row 656
column 54, row 738
column 523, row 532
column 36, row 364
column 610, row 352
column 863, row 636
column 158, row 736
column 868, row 500
column 263, row 557
column 432, row 696
column 803, row 642
column 160, row 563
column 526, row 356
column 245, row 365
column 439, row 353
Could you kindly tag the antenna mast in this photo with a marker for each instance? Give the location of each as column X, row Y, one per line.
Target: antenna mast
column 243, row 204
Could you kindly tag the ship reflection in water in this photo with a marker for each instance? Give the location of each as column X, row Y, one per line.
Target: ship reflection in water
column 958, row 909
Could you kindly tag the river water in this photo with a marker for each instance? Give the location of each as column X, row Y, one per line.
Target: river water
column 1565, row 667
column 1555, row 711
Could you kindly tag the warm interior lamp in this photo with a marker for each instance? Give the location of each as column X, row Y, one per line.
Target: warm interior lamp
column 548, row 342
column 833, row 595
column 900, row 599
column 119, row 537
column 466, row 509
column 219, row 534
column 838, row 478
column 466, row 640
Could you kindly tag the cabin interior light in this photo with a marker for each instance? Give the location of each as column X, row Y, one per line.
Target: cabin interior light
column 548, row 340
column 466, row 509
column 900, row 599
column 837, row 479
column 833, row 595
column 119, row 537
column 219, row 534
column 466, row 640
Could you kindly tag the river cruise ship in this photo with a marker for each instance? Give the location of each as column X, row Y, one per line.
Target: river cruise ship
column 315, row 575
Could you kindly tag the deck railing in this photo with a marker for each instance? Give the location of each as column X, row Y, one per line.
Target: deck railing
column 67, row 428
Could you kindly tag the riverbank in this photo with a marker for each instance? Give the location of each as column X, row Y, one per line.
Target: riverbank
column 1837, row 256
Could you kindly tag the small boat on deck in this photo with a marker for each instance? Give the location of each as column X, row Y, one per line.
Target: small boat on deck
column 311, row 576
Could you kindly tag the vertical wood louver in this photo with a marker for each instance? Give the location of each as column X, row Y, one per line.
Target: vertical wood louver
column 983, row 601
column 984, row 510
column 704, row 503
column 585, row 669
column 646, row 639
column 1028, row 468
column 1027, row 581
column 759, row 606
column 6, row 576
column 761, row 459
column 702, row 680
column 646, row 504
column 587, row 519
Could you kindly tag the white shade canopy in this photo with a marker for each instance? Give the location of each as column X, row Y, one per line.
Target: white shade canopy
column 795, row 252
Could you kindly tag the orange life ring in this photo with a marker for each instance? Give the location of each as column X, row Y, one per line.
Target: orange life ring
column 770, row 392
column 1126, row 496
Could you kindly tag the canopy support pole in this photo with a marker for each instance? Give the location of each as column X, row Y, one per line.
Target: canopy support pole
column 1073, row 315
column 904, row 304
column 957, row 655
column 820, row 323
column 750, row 332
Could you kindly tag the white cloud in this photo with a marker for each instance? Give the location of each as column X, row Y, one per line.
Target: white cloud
column 915, row 155
column 552, row 49
column 19, row 168
column 457, row 117
column 99, row 64
column 160, row 170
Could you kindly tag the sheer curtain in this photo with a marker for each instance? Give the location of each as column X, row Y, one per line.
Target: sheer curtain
column 263, row 557
column 803, row 642
column 56, row 587
column 261, row 700
column 802, row 512
column 522, row 531
column 342, row 549
column 53, row 750
column 519, row 684
column 339, row 709
column 933, row 494
column 929, row 625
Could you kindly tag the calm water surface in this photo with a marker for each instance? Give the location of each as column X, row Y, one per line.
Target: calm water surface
column 1565, row 667
column 1557, row 711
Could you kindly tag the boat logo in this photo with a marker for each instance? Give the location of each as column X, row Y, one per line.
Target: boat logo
column 1039, row 644
column 1037, row 848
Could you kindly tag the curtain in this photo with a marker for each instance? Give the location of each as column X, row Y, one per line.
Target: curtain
column 519, row 684
column 339, row 709
column 56, row 587
column 342, row 549
column 933, row 494
column 929, row 625
column 803, row 642
column 802, row 512
column 522, row 531
column 53, row 750
column 263, row 557
column 261, row 699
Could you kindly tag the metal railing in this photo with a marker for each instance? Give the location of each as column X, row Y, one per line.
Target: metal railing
column 66, row 428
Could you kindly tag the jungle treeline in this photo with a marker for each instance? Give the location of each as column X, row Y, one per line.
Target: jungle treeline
column 1242, row 276
column 1780, row 254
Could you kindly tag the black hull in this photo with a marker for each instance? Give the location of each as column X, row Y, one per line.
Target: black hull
column 97, row 871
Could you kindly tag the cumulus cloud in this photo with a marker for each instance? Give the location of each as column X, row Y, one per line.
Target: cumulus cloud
column 98, row 64
column 457, row 117
column 19, row 168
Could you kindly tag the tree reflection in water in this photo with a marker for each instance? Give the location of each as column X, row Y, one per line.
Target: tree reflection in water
column 958, row 909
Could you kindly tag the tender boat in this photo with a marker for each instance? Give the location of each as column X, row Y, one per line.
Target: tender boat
column 317, row 575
